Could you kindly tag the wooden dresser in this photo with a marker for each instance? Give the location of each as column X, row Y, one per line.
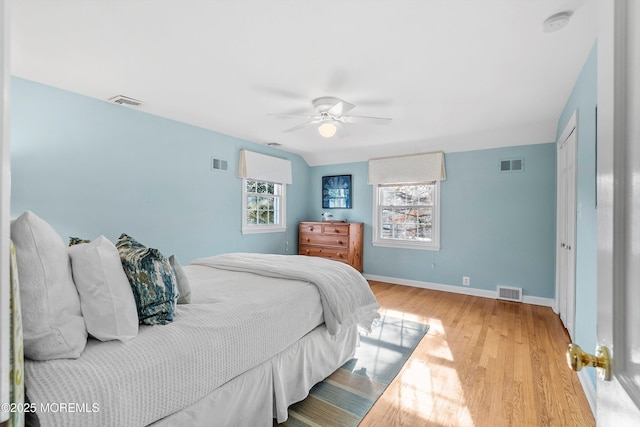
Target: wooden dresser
column 340, row 241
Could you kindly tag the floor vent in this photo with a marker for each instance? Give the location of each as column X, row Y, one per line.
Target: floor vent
column 510, row 294
column 125, row 100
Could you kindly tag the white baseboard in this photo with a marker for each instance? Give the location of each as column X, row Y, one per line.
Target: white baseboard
column 546, row 302
column 589, row 389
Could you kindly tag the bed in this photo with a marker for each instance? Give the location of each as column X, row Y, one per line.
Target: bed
column 260, row 330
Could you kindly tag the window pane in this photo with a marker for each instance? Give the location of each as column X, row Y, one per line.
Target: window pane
column 261, row 187
column 262, row 217
column 251, row 186
column 387, row 216
column 386, row 196
column 252, row 203
column 270, row 188
column 252, row 215
column 425, row 195
column 424, row 232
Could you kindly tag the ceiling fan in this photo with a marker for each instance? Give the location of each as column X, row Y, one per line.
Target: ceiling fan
column 330, row 117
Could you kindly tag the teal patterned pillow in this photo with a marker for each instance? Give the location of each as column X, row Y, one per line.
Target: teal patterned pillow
column 152, row 280
column 77, row 240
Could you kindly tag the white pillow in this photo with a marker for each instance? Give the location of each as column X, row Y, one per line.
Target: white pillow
column 184, row 288
column 106, row 297
column 52, row 322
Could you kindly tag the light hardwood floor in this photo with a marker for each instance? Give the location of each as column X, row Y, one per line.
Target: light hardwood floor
column 484, row 362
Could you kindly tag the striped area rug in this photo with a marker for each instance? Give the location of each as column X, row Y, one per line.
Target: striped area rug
column 345, row 397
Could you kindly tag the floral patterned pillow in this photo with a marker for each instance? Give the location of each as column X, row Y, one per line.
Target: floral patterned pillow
column 152, row 280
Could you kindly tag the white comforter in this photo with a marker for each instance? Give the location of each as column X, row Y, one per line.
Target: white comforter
column 237, row 322
column 346, row 295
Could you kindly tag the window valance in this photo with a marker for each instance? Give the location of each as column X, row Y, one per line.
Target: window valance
column 264, row 168
column 425, row 167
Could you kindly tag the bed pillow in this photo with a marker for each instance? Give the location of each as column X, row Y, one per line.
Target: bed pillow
column 77, row 240
column 152, row 280
column 52, row 321
column 106, row 297
column 184, row 288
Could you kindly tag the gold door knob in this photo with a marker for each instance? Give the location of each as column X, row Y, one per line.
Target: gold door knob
column 578, row 359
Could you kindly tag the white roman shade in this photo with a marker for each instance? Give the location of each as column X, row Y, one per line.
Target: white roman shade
column 264, row 168
column 425, row 167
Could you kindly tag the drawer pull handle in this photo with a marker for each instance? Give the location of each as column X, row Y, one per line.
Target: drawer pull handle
column 310, row 228
column 336, row 230
column 308, row 240
column 339, row 242
column 307, row 251
column 339, row 255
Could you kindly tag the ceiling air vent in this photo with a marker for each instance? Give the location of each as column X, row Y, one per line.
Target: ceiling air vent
column 509, row 293
column 125, row 100
column 512, row 165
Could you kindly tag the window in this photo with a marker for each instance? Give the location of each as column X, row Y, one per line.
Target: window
column 263, row 206
column 407, row 215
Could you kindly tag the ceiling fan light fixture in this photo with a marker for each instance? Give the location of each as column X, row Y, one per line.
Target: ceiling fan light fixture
column 327, row 129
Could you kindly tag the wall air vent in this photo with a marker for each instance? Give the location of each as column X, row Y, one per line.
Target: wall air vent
column 512, row 165
column 125, row 100
column 218, row 164
column 274, row 144
column 509, row 293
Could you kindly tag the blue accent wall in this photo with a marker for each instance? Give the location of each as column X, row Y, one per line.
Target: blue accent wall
column 89, row 167
column 584, row 99
column 497, row 228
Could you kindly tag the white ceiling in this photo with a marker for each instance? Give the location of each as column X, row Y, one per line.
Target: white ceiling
column 453, row 74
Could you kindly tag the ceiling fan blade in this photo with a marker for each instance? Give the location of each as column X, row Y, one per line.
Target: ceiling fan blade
column 340, row 108
column 341, row 130
column 368, row 120
column 306, row 116
column 304, row 125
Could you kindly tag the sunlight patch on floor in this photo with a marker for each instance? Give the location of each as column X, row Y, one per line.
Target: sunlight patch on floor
column 403, row 315
column 420, row 391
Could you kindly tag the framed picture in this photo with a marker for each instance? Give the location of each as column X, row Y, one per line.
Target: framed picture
column 336, row 192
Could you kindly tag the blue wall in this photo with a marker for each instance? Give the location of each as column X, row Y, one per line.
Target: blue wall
column 497, row 228
column 583, row 99
column 89, row 167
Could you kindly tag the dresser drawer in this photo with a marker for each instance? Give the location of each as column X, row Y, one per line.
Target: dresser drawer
column 310, row 228
column 338, row 240
column 334, row 254
column 342, row 229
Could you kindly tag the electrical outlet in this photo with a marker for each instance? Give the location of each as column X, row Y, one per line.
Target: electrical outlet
column 466, row 281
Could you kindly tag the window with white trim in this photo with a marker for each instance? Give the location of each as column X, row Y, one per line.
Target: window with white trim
column 263, row 206
column 407, row 215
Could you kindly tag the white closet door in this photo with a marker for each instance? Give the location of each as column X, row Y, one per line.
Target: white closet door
column 566, row 226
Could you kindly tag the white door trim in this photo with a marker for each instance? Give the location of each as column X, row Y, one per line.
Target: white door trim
column 5, row 188
column 565, row 230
